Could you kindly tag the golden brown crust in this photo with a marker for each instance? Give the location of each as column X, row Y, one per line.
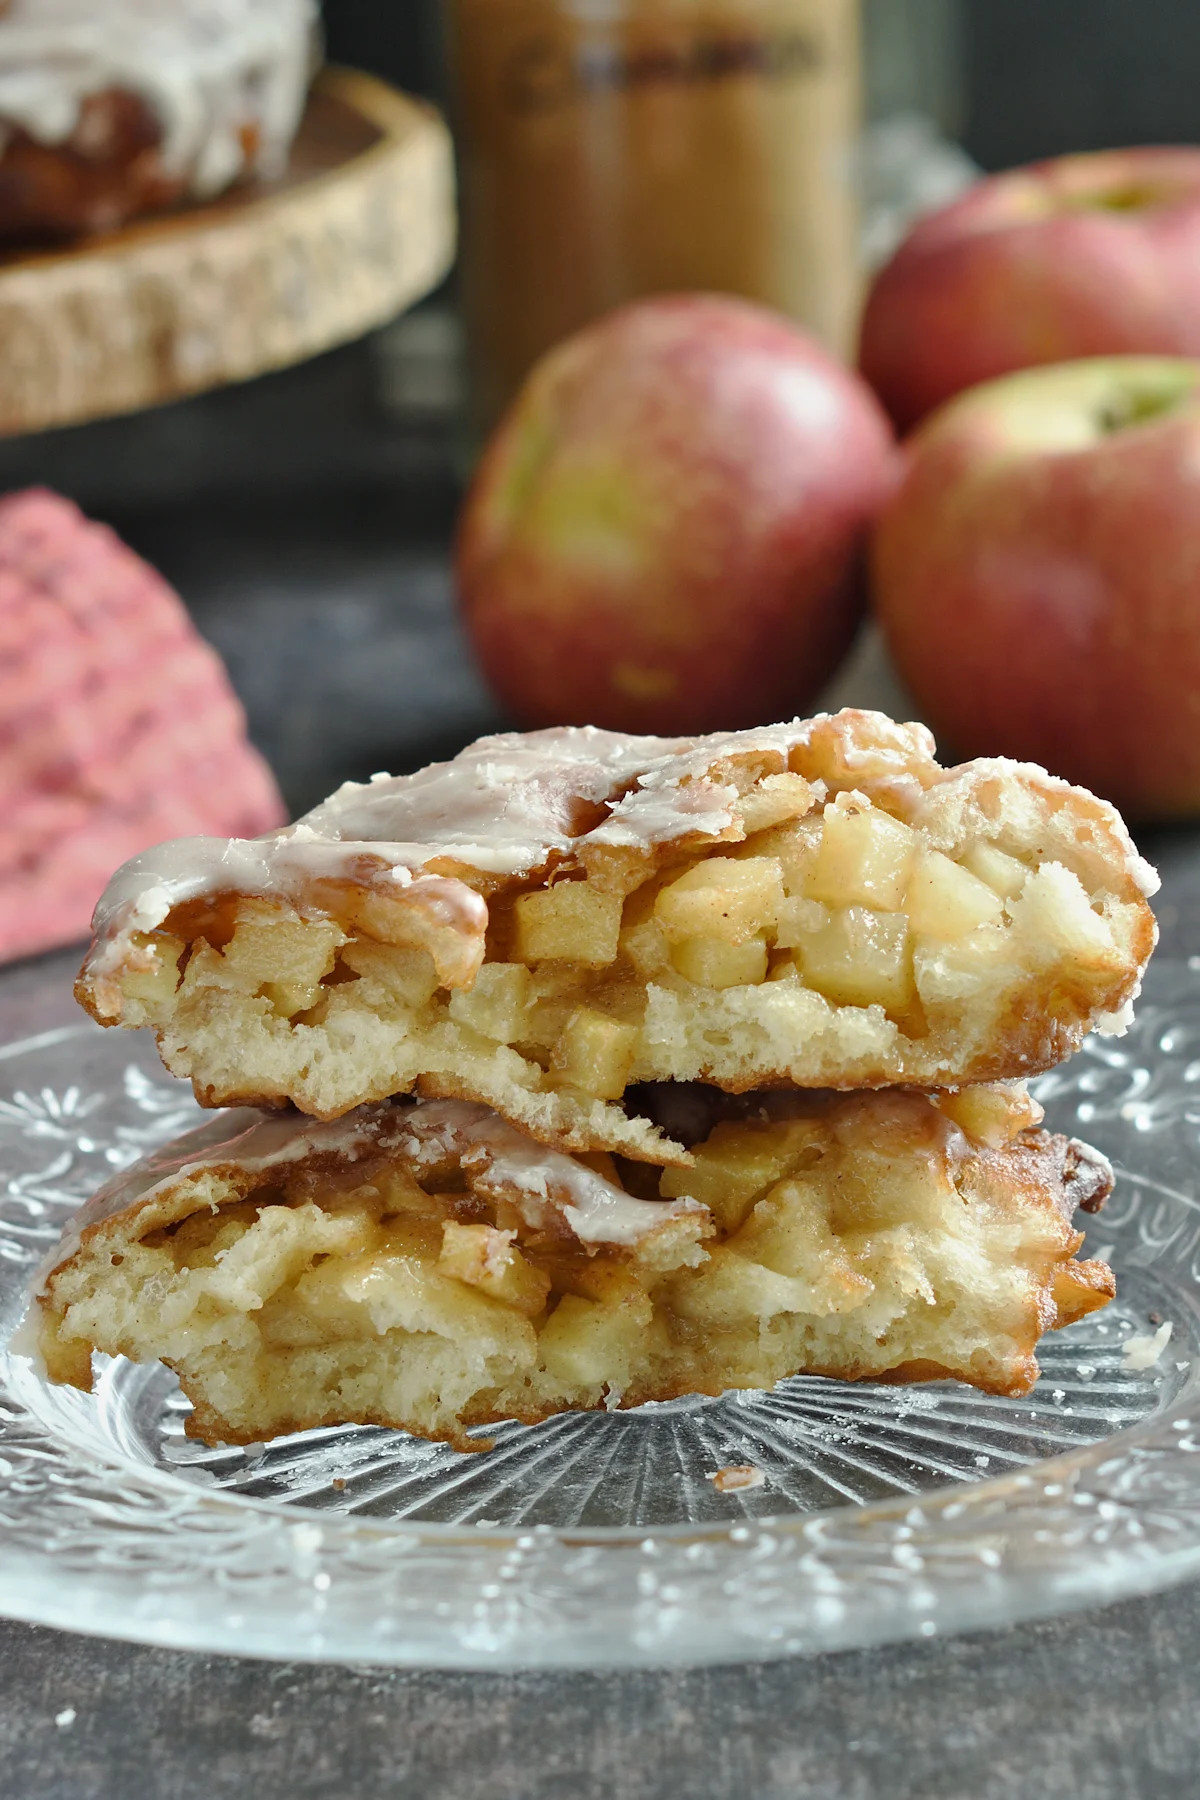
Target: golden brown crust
column 571, row 1127
column 920, row 1369
column 207, row 1426
column 1081, row 1288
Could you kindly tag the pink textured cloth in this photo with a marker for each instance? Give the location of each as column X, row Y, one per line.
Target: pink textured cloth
column 118, row 726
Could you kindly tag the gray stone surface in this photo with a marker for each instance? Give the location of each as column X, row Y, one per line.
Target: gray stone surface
column 1101, row 1707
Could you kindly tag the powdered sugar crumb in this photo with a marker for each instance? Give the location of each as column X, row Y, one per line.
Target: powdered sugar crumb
column 1144, row 1352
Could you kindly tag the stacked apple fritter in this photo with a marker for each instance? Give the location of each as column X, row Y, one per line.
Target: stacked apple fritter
column 815, row 905
column 430, row 1268
column 586, row 946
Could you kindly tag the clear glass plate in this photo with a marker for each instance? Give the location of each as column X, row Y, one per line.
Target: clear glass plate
column 601, row 1538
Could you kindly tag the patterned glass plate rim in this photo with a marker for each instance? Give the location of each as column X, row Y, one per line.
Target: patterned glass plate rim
column 97, row 1537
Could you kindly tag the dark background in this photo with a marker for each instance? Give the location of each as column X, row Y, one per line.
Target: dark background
column 1044, row 76
column 396, row 38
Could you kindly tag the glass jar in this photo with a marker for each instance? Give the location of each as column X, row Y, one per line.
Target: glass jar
column 611, row 148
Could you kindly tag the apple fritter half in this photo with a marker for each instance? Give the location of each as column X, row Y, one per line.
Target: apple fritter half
column 426, row 1265
column 550, row 918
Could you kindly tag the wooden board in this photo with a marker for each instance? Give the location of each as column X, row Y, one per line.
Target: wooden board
column 361, row 225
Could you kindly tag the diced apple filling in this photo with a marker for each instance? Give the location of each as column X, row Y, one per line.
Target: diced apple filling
column 853, row 905
column 497, row 1005
column 847, row 906
column 570, row 922
column 723, row 899
column 945, row 901
column 487, row 1259
column 595, row 1053
column 991, row 1114
column 860, row 958
column 1005, row 875
column 740, row 1161
column 711, row 962
column 863, row 859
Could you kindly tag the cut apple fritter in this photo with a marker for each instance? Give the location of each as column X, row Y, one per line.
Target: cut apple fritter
column 428, row 1266
column 549, row 919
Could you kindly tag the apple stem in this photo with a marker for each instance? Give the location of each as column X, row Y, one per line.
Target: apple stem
column 1140, row 406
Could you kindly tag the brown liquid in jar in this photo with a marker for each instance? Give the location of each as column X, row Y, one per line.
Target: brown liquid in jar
column 611, row 148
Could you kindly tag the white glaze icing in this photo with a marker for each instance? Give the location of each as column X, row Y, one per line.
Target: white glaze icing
column 253, row 1140
column 540, row 1182
column 205, row 68
column 507, row 806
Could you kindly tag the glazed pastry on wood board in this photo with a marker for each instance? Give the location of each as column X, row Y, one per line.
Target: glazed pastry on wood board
column 111, row 108
column 552, row 918
column 430, row 1267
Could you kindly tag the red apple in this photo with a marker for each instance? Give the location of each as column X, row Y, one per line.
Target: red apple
column 1037, row 576
column 666, row 532
column 1081, row 256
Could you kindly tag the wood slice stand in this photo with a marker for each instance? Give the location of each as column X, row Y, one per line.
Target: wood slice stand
column 360, row 226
